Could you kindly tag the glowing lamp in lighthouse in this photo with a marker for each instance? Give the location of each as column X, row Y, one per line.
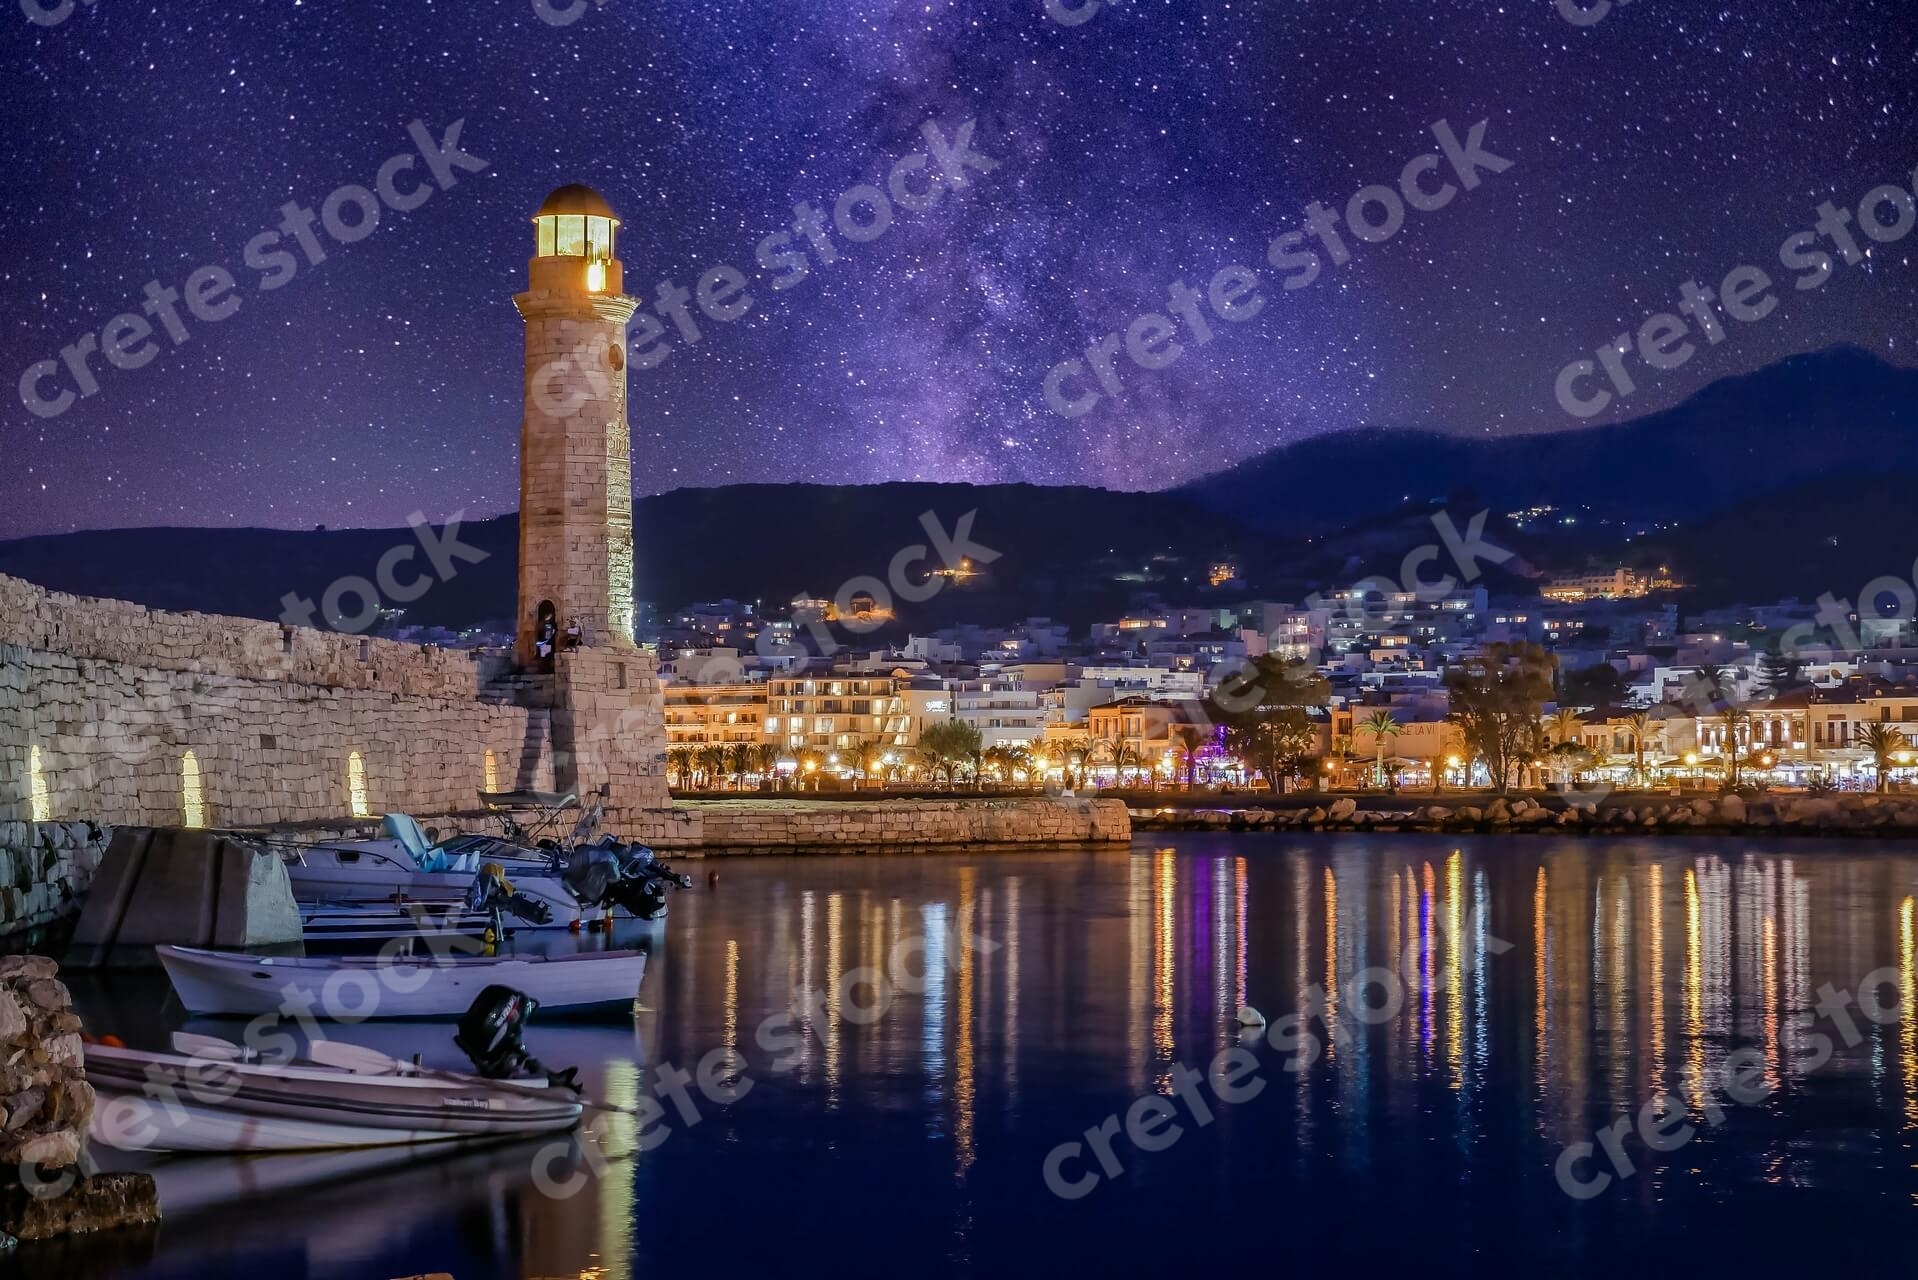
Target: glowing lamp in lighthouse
column 576, row 223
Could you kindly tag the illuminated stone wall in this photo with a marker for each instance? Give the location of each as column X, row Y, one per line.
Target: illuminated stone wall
column 108, row 698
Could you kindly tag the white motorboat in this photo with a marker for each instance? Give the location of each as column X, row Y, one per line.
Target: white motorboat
column 438, row 985
column 205, row 1101
column 557, row 887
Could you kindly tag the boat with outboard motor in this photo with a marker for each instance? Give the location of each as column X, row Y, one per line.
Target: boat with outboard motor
column 212, row 1095
column 439, row 985
column 549, row 884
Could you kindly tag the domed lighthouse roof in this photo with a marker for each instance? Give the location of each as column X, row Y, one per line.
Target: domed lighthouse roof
column 576, row 198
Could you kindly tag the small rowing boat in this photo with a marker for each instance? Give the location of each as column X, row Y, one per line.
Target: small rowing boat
column 207, row 1101
column 437, row 985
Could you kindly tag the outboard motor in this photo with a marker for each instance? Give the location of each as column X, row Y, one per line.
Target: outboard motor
column 492, row 893
column 610, row 874
column 490, row 1034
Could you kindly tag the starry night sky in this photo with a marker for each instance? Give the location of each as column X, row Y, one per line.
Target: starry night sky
column 1162, row 139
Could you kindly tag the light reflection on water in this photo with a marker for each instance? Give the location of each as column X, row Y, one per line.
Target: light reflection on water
column 914, row 1141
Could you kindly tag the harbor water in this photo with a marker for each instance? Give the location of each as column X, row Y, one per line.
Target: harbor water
column 918, row 1037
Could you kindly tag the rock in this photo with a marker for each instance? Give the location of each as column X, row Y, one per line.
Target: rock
column 1250, row 1017
column 1471, row 813
column 1732, row 809
column 50, row 994
column 16, row 1110
column 13, row 1019
column 1437, row 813
column 100, row 1203
column 1342, row 809
column 1498, row 811
column 1702, row 807
column 1315, row 817
column 61, row 1050
column 27, row 966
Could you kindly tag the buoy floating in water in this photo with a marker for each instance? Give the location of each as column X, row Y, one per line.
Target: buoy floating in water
column 1250, row 1017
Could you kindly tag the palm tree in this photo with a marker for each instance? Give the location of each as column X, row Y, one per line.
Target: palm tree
column 1886, row 744
column 765, row 760
column 1640, row 724
column 864, row 754
column 679, row 762
column 739, row 761
column 711, row 759
column 1186, row 740
column 1080, row 757
column 1007, row 759
column 1122, row 756
column 1381, row 726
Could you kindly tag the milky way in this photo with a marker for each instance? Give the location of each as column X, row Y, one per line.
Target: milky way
column 1161, row 140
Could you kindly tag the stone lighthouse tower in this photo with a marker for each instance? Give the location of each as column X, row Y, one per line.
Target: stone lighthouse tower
column 575, row 620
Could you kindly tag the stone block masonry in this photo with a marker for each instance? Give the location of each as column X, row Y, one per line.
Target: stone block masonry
column 127, row 716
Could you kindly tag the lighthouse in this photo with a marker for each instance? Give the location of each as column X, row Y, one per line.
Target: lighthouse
column 573, row 637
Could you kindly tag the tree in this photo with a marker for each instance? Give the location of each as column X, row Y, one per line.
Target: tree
column 740, row 757
column 1712, row 686
column 1640, row 724
column 1187, row 739
column 1381, row 726
column 1886, row 745
column 711, row 759
column 1080, row 757
column 679, row 762
column 765, row 759
column 1008, row 759
column 1496, row 696
column 1266, row 710
column 949, row 744
column 1122, row 756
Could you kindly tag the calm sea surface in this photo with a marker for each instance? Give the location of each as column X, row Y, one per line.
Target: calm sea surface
column 1550, row 986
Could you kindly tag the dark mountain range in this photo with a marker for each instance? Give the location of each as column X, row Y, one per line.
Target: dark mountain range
column 1825, row 413
column 1070, row 553
column 1790, row 480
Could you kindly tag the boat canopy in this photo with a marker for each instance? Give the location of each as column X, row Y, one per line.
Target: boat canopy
column 528, row 800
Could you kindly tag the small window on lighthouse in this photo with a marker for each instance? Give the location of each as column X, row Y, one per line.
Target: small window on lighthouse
column 571, row 238
column 595, row 277
column 546, row 233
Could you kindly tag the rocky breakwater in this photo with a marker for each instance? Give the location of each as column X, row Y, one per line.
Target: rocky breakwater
column 1848, row 815
column 46, row 1106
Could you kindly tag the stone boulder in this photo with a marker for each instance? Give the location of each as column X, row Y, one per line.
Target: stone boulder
column 46, row 1109
column 1342, row 809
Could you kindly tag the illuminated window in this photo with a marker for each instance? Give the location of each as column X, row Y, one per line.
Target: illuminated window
column 491, row 769
column 37, row 793
column 356, row 785
column 192, row 794
column 570, row 239
column 545, row 226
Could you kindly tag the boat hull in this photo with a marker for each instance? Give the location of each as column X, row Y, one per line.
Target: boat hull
column 169, row 1102
column 360, row 987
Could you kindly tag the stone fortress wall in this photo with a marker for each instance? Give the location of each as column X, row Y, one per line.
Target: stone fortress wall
column 122, row 715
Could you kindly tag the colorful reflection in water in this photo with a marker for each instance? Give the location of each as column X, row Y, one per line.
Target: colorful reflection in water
column 1547, row 987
